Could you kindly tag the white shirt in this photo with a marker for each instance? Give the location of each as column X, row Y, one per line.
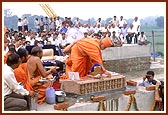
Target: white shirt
column 10, row 83
column 36, row 24
column 121, row 23
column 142, row 39
column 136, row 24
column 19, row 23
column 25, row 22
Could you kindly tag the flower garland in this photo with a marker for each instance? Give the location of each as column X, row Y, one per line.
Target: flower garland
column 132, row 100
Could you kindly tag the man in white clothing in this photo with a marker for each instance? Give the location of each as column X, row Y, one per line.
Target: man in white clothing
column 14, row 93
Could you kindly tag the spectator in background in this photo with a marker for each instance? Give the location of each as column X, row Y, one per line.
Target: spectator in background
column 121, row 22
column 25, row 24
column 130, row 34
column 99, row 22
column 63, row 42
column 148, row 79
column 136, row 25
column 46, row 23
column 123, row 33
column 19, row 24
column 142, row 40
column 41, row 25
column 58, row 22
column 114, row 21
column 116, row 40
column 37, row 25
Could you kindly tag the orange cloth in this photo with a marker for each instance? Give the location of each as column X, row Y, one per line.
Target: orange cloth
column 107, row 42
column 40, row 88
column 5, row 58
column 82, row 63
column 21, row 75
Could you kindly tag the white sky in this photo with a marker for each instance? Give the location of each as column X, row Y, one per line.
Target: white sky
column 86, row 10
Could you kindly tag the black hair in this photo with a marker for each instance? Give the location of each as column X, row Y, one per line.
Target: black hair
column 12, row 59
column 12, row 50
column 22, row 52
column 11, row 46
column 142, row 32
column 151, row 73
column 161, row 86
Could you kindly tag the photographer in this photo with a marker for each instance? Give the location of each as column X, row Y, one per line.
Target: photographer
column 148, row 79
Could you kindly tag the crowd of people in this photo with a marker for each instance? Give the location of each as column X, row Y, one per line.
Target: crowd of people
column 82, row 42
column 59, row 33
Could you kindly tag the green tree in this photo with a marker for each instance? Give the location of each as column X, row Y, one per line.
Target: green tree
column 160, row 21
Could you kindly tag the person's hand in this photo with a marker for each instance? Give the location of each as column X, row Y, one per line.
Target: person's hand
column 31, row 93
column 53, row 69
column 107, row 73
column 144, row 78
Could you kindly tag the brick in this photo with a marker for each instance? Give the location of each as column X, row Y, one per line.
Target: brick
column 61, row 106
column 98, row 98
column 149, row 88
column 129, row 92
column 132, row 83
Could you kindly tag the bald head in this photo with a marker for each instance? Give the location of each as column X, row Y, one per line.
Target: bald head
column 35, row 50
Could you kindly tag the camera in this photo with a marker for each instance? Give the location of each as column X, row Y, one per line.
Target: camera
column 147, row 76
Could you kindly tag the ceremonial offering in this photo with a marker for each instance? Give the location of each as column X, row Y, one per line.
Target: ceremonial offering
column 92, row 85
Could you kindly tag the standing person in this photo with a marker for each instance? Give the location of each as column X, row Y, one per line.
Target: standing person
column 136, row 25
column 14, row 93
column 19, row 24
column 41, row 25
column 121, row 22
column 84, row 54
column 46, row 23
column 25, row 24
column 37, row 25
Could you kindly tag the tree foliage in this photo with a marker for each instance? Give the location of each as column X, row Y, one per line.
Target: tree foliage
column 160, row 21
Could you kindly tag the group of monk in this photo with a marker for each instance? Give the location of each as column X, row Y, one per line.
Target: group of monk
column 83, row 54
column 31, row 70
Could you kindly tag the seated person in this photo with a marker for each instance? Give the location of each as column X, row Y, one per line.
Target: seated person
column 36, row 71
column 116, row 40
column 142, row 40
column 15, row 96
column 21, row 72
column 159, row 95
column 130, row 34
column 11, row 51
column 148, row 79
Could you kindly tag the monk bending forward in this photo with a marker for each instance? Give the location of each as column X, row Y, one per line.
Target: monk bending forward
column 84, row 54
column 36, row 71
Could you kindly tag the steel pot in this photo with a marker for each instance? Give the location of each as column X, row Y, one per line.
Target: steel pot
column 60, row 96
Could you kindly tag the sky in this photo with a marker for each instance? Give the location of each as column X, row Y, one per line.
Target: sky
column 86, row 10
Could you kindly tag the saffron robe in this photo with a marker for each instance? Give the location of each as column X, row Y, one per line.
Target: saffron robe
column 84, row 54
